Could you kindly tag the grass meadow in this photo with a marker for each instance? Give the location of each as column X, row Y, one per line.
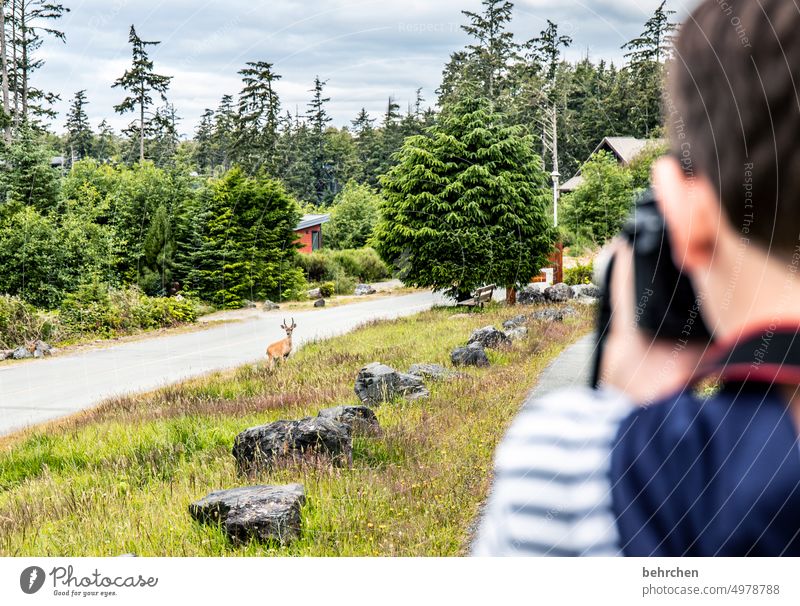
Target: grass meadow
column 118, row 479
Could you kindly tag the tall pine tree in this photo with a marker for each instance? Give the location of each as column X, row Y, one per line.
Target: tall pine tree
column 141, row 82
column 79, row 132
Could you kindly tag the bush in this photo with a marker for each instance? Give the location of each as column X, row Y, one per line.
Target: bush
column 22, row 323
column 361, row 264
column 326, row 289
column 97, row 310
column 580, row 274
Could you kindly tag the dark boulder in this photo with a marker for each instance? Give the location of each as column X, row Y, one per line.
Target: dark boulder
column 587, row 290
column 360, row 419
column 471, row 355
column 558, row 293
column 432, row 372
column 530, row 295
column 378, row 383
column 319, row 303
column 490, row 337
column 515, row 322
column 553, row 314
column 264, row 513
column 263, row 446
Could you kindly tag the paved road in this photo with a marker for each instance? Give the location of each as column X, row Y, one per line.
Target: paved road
column 47, row 389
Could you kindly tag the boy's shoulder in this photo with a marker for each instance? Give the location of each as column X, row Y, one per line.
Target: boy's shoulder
column 718, row 471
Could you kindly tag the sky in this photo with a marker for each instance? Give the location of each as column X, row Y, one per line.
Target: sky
column 365, row 50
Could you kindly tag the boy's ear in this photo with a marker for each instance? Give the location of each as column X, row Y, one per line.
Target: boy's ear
column 692, row 211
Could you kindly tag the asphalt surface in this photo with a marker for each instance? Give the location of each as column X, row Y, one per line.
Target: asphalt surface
column 41, row 390
column 572, row 367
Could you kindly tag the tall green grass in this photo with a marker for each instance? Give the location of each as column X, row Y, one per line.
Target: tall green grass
column 118, row 479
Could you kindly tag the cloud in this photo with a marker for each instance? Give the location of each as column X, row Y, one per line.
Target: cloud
column 365, row 49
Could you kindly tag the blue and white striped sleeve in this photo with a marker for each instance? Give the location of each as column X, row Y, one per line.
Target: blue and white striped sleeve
column 552, row 494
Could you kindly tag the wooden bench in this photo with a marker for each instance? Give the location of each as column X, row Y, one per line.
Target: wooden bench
column 479, row 297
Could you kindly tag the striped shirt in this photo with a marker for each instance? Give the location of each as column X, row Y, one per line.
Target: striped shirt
column 552, row 492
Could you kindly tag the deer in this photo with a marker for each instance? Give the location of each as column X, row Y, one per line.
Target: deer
column 281, row 349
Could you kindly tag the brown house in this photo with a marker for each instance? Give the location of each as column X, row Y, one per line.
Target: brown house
column 624, row 149
column 309, row 232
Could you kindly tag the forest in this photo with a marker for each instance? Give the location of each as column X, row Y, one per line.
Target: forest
column 101, row 230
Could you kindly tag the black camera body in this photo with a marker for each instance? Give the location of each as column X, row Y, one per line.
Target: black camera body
column 666, row 305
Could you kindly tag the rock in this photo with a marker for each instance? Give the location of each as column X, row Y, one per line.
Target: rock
column 411, row 386
column 262, row 446
column 319, row 303
column 553, row 314
column 360, row 419
column 558, row 293
column 433, row 372
column 364, row 289
column 568, row 311
column 586, row 290
column 269, row 306
column 6, row 354
column 515, row 334
column 378, row 383
column 21, row 353
column 515, row 322
column 248, row 304
column 265, row 513
column 315, row 293
column 42, row 349
column 471, row 355
column 530, row 295
column 489, row 336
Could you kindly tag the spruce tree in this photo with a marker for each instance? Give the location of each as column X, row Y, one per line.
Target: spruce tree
column 141, row 82
column 257, row 117
column 204, row 140
column 318, row 119
column 79, row 132
column 466, row 205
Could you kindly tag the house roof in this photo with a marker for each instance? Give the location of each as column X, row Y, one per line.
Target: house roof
column 311, row 220
column 572, row 184
column 625, row 149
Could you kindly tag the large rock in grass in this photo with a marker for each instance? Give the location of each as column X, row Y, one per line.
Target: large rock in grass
column 515, row 322
column 360, row 419
column 530, row 295
column 587, row 290
column 432, row 372
column 378, row 383
column 285, row 441
column 559, row 293
column 515, row 334
column 472, row 355
column 42, row 349
column 553, row 314
column 489, row 337
column 264, row 513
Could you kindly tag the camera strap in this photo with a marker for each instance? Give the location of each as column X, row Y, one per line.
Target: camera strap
column 769, row 354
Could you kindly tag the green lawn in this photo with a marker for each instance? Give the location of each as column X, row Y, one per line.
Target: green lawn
column 118, row 479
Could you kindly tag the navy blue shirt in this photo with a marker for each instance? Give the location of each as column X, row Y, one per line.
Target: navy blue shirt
column 709, row 477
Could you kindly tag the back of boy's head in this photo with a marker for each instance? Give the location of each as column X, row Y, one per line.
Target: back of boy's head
column 733, row 112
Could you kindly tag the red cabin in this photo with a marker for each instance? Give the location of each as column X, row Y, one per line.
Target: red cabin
column 309, row 232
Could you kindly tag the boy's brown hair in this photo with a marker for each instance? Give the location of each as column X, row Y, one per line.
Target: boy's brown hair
column 733, row 112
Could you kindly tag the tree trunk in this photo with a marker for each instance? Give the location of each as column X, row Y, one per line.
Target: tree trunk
column 141, row 127
column 511, row 295
column 24, row 34
column 4, row 69
column 14, row 64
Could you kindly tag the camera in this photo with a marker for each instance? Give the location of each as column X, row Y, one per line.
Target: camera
column 666, row 305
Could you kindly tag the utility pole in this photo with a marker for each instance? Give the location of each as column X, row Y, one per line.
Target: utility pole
column 555, row 174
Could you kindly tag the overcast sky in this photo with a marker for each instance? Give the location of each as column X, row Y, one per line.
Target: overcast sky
column 366, row 50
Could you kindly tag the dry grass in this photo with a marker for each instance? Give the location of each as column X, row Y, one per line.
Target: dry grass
column 118, row 479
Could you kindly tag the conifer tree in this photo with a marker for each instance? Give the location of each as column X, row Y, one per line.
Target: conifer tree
column 141, row 82
column 466, row 205
column 79, row 132
column 318, row 119
column 257, row 117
